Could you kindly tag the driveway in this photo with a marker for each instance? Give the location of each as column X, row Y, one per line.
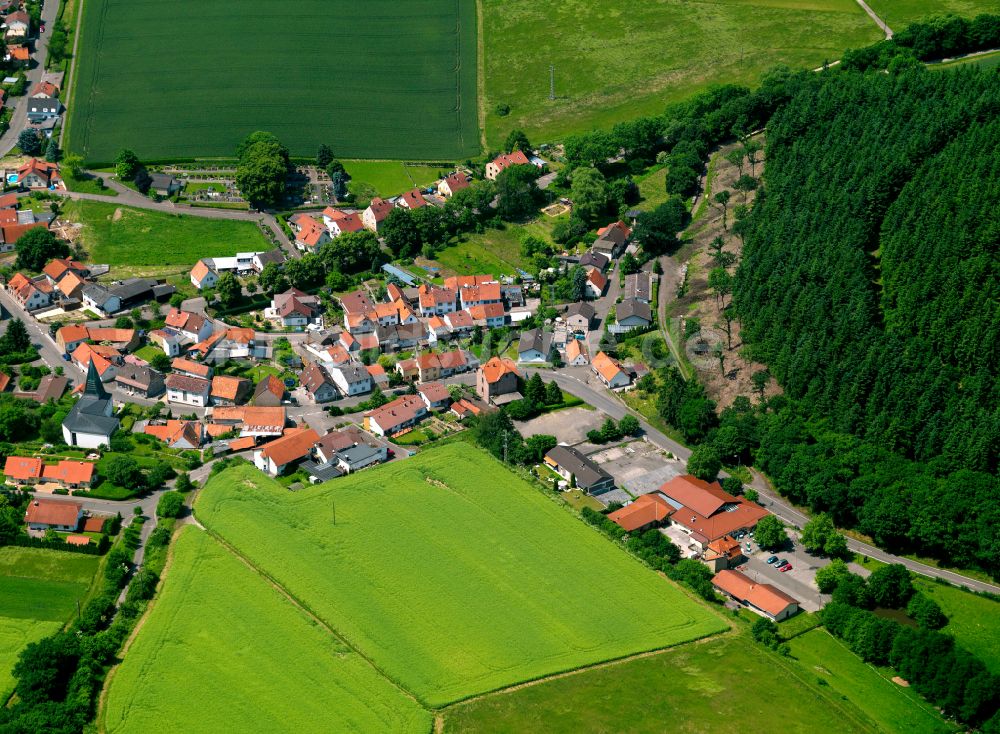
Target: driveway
column 569, row 425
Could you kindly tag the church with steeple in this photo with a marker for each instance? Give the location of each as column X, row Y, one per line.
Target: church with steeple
column 91, row 421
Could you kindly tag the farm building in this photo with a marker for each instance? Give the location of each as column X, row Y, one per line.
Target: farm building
column 764, row 599
column 45, row 515
column 578, row 470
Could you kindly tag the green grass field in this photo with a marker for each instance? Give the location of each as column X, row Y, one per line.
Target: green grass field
column 452, row 574
column 973, row 620
column 125, row 236
column 192, row 78
column 387, row 178
column 891, row 707
column 615, row 61
column 729, row 684
column 900, row 13
column 38, row 593
column 222, row 650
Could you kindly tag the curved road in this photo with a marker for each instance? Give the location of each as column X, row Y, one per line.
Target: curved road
column 580, row 383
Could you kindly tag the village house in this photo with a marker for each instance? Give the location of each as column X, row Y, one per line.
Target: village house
column 228, row 390
column 310, row 235
column 295, row 308
column 639, row 286
column 488, row 316
column 534, row 346
column 71, row 287
column 610, row 371
column 342, row 452
column 379, row 377
column 70, row 474
column 50, row 387
column 43, row 515
column 503, row 161
column 91, row 421
column 596, row 283
column 57, row 268
column 351, row 379
column 187, row 390
column 41, row 109
column 612, row 240
column 411, row 200
column 142, row 381
column 17, row 24
column 575, row 353
column 633, row 314
column 480, row 295
column 395, row 416
column 453, row 183
column 407, row 369
column 191, row 327
column 400, row 336
column 232, row 343
column 459, row 323
column 31, row 294
column 591, row 259
column 263, row 259
column 376, row 213
column 723, row 553
column 497, row 378
column 69, row 337
column 178, row 434
column 764, row 599
column 165, row 185
column 253, row 421
column 578, row 470
column 22, row 470
column 278, row 455
column 122, row 340
column 435, row 395
column 36, row 174
column 194, row 369
column 338, row 222
column 269, row 393
column 45, row 88
column 203, row 275
column 580, row 317
column 465, row 407
column 124, row 295
column 318, row 383
column 435, row 301
column 105, row 359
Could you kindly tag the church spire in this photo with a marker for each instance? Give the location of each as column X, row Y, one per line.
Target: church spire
column 94, row 387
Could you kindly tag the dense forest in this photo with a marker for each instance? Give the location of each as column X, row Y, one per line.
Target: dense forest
column 868, row 285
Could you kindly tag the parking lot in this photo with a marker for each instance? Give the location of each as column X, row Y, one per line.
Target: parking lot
column 639, row 466
column 570, row 426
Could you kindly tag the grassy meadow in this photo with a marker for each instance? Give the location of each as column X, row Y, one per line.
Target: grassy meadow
column 892, row 708
column 387, row 178
column 193, row 77
column 973, row 620
column 38, row 594
column 712, row 686
column 615, row 61
column 222, row 650
column 120, row 235
column 452, row 574
column 900, row 13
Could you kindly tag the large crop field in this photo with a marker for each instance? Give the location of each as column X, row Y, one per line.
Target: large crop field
column 453, row 575
column 379, row 79
column 39, row 590
column 620, row 60
column 120, row 235
column 730, row 684
column 222, row 650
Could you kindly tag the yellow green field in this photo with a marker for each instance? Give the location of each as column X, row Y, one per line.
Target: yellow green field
column 222, row 650
column 453, row 575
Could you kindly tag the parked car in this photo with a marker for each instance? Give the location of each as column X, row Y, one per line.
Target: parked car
column 786, row 567
column 780, row 562
column 772, row 559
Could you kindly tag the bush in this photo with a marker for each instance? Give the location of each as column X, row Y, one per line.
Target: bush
column 926, row 612
column 171, row 504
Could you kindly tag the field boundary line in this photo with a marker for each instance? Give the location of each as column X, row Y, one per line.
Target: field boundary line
column 71, row 76
column 140, row 623
column 481, row 74
column 299, row 604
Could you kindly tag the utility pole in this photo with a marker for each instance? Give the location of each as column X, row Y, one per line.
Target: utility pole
column 552, row 81
column 505, row 447
column 334, row 505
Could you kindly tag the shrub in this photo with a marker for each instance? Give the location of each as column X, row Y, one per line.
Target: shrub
column 171, row 504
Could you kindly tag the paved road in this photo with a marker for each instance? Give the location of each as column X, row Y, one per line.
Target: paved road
column 577, row 382
column 18, row 118
column 878, row 21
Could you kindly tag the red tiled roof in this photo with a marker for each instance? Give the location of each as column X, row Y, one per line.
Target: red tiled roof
column 50, row 512
column 70, row 472
column 497, row 367
column 606, row 366
column 23, row 467
column 517, row 158
column 195, row 368
column 763, row 596
column 295, row 444
column 646, row 509
column 412, row 199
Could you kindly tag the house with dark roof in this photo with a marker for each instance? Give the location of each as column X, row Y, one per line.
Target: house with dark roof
column 633, row 314
column 262, row 259
column 187, row 390
column 163, row 184
column 351, row 378
column 591, row 259
column 578, row 470
column 639, row 286
column 137, row 380
column 534, row 346
column 318, row 383
column 612, row 239
column 580, row 316
column 91, row 421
